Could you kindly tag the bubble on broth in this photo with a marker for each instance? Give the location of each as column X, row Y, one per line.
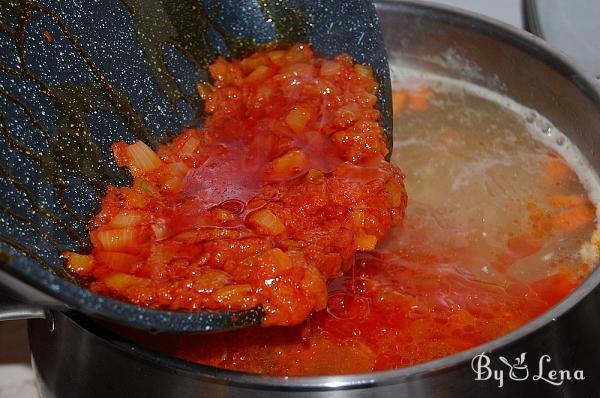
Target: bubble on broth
column 475, row 164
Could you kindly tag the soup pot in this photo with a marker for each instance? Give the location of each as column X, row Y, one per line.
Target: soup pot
column 554, row 355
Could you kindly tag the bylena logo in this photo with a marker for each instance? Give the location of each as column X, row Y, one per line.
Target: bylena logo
column 519, row 371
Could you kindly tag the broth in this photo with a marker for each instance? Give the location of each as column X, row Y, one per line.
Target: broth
column 482, row 172
column 498, row 230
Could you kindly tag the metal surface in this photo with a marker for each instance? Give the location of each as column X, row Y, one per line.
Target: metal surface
column 12, row 310
column 571, row 26
column 76, row 76
column 95, row 363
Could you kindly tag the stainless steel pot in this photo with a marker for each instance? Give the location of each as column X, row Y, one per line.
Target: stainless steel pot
column 75, row 357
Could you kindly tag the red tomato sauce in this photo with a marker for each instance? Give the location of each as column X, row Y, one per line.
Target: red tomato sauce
column 272, row 197
column 285, row 188
column 393, row 308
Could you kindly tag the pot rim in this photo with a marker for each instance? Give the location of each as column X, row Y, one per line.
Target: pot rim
column 487, row 26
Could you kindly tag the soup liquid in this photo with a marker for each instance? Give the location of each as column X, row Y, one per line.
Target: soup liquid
column 491, row 239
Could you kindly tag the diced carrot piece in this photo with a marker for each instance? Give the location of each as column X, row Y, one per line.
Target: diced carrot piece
column 419, row 99
column 399, row 101
column 81, row 264
column 568, row 200
column 557, row 170
column 574, row 218
column 365, row 242
column 142, row 158
column 297, row 119
column 366, row 99
column 218, row 69
column 223, row 73
column 266, row 221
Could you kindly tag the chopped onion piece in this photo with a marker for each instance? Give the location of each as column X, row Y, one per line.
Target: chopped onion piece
column 143, row 158
column 120, row 281
column 363, row 70
column 281, row 259
column 121, row 262
column 141, row 185
column 276, row 56
column 330, row 68
column 176, row 174
column 297, row 119
column 160, row 229
column 79, row 263
column 126, row 219
column 117, row 239
column 259, row 74
column 289, row 165
column 237, row 295
column 266, row 221
column 190, row 146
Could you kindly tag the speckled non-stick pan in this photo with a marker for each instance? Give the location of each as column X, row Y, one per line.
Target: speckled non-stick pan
column 76, row 76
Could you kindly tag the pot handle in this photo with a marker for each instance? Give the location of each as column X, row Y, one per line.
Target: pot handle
column 19, row 300
column 12, row 310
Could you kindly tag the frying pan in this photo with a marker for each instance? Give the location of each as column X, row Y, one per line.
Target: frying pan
column 76, row 76
column 76, row 356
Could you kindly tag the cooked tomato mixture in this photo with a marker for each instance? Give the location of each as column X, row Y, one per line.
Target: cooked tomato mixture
column 393, row 309
column 274, row 195
column 283, row 194
column 471, row 262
